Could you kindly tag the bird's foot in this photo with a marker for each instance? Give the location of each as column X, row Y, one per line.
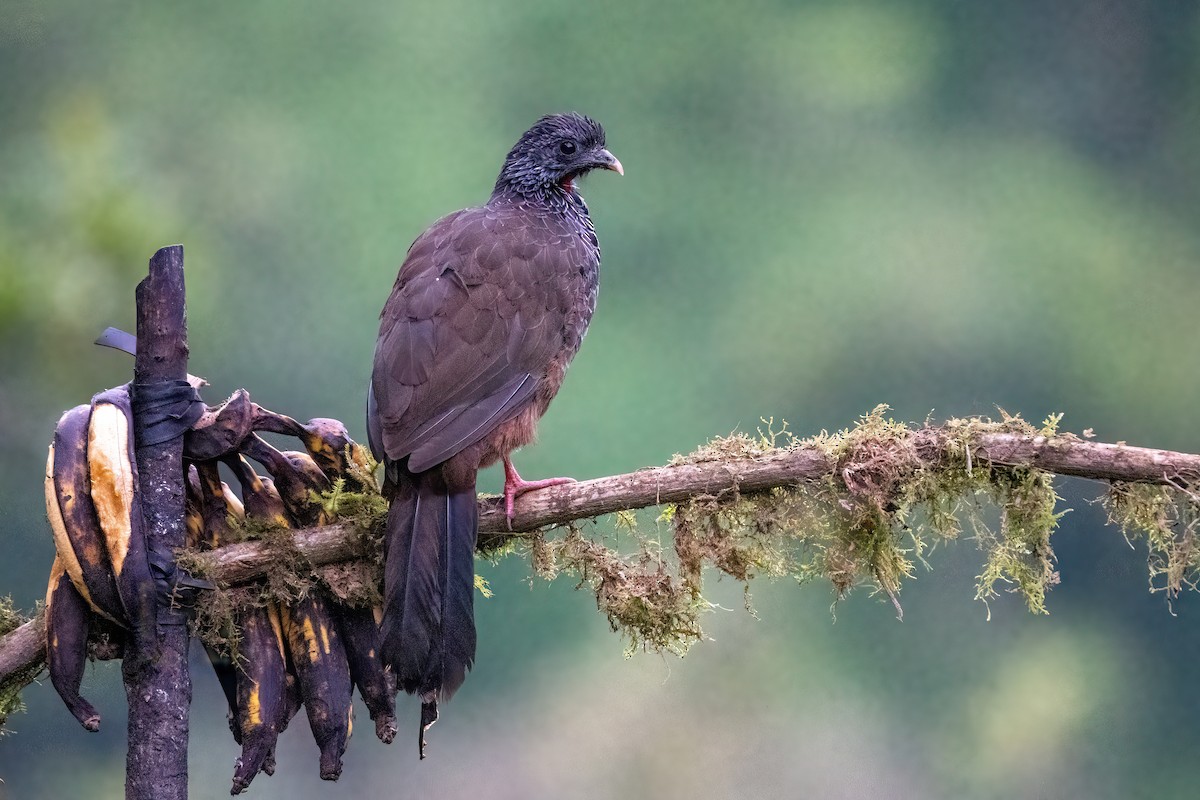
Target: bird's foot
column 515, row 485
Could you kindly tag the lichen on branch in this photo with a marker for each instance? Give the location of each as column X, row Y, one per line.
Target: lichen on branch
column 892, row 491
column 1166, row 519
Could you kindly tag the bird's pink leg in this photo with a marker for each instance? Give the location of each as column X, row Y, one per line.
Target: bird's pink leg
column 515, row 485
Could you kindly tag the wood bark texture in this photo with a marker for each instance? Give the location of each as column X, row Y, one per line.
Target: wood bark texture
column 159, row 693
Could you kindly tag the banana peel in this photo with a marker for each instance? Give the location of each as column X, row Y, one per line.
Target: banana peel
column 220, row 429
column 68, row 621
column 114, row 492
column 78, row 537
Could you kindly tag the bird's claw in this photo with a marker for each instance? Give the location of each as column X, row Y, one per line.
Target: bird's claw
column 515, row 485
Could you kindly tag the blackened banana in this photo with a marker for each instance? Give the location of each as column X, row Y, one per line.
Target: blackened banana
column 259, row 496
column 68, row 619
column 215, row 510
column 293, row 701
column 220, row 430
column 78, row 537
column 314, row 650
column 114, row 491
column 261, row 696
column 360, row 635
column 324, row 677
column 296, row 476
column 326, row 440
column 200, row 538
column 193, row 515
column 330, row 445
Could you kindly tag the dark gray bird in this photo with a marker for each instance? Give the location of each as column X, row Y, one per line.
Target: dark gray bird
column 489, row 308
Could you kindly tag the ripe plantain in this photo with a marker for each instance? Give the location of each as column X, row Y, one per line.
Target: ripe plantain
column 68, row 620
column 292, row 701
column 326, row 440
column 261, row 702
column 257, row 685
column 193, row 515
column 213, row 499
column 329, row 443
column 296, row 477
column 78, row 537
column 114, row 491
column 360, row 635
column 260, row 498
column 323, row 675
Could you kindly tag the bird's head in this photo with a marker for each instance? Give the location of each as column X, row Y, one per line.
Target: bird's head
column 549, row 156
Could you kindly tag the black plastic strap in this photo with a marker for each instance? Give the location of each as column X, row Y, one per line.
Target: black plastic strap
column 118, row 339
column 161, row 412
column 164, row 411
column 176, row 590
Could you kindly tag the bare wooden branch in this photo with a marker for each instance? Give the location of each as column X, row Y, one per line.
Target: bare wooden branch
column 559, row 505
column 1080, row 458
column 23, row 648
column 160, row 691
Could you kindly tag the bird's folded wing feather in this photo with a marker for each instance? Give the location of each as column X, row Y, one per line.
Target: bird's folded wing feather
column 471, row 325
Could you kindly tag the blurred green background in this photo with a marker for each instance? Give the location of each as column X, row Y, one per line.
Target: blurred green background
column 941, row 205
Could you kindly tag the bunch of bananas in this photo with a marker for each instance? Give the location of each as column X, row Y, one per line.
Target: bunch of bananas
column 310, row 652
column 100, row 584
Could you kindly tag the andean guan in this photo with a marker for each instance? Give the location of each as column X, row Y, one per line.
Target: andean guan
column 490, row 306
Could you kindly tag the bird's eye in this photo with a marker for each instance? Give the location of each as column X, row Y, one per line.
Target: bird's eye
column 567, row 148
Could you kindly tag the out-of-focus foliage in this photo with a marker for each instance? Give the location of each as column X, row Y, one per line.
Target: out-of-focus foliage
column 938, row 205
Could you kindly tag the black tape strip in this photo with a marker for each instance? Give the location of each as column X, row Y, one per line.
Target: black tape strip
column 164, row 411
column 161, row 412
column 118, row 339
column 176, row 590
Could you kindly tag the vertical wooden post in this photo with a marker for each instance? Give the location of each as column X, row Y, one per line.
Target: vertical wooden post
column 159, row 692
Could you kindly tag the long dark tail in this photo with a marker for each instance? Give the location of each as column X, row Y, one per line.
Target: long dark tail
column 428, row 622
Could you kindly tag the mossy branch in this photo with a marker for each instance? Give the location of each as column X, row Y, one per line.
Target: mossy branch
column 837, row 506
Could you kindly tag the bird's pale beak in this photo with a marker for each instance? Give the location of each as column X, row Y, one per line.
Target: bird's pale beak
column 609, row 161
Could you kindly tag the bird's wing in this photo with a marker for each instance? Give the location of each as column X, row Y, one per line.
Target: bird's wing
column 474, row 319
